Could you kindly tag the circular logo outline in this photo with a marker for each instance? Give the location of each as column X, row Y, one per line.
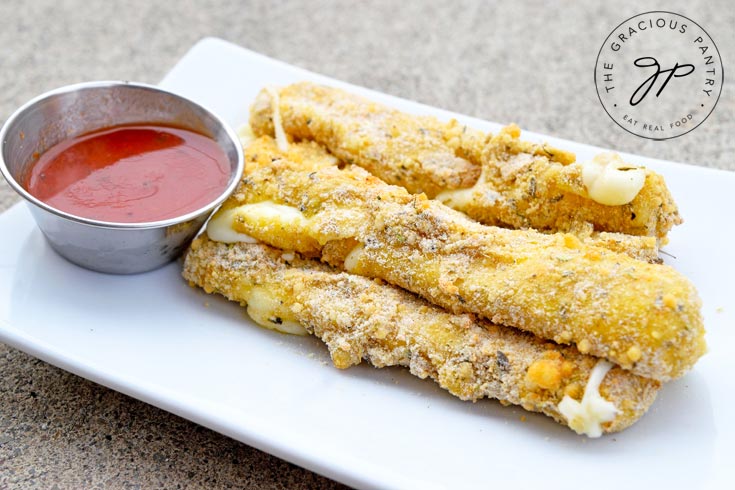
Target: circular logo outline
column 597, row 61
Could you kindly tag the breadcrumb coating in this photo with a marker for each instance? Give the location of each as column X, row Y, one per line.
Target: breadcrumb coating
column 643, row 317
column 500, row 179
column 521, row 186
column 359, row 318
column 406, row 150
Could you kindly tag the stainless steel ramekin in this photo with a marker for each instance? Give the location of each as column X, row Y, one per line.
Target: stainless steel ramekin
column 119, row 248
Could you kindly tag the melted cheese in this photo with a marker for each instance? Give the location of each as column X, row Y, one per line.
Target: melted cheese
column 611, row 181
column 456, row 198
column 587, row 416
column 267, row 213
column 245, row 134
column 220, row 228
column 267, row 311
column 353, row 258
column 281, row 140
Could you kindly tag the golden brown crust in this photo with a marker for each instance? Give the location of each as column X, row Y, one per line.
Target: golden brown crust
column 638, row 247
column 641, row 316
column 359, row 318
column 369, row 133
column 523, row 185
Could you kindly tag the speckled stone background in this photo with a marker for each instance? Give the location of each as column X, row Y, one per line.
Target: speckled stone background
column 529, row 62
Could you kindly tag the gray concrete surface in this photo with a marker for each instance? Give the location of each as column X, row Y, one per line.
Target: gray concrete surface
column 529, row 62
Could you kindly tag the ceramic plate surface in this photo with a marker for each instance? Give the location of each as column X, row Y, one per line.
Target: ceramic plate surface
column 155, row 338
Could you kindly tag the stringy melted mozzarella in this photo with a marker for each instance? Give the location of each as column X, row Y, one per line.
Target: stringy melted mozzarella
column 588, row 415
column 611, row 181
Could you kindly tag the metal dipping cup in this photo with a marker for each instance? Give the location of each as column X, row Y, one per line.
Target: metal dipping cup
column 117, row 248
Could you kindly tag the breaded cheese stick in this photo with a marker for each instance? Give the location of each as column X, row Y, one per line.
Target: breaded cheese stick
column 359, row 318
column 308, row 154
column 641, row 316
column 406, row 150
column 496, row 180
column 639, row 247
column 522, row 187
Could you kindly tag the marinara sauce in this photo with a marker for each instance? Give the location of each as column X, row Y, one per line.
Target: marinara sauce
column 131, row 174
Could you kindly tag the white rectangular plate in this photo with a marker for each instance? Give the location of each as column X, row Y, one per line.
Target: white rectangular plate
column 155, row 338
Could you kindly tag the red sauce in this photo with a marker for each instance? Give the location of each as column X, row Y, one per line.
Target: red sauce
column 131, row 174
